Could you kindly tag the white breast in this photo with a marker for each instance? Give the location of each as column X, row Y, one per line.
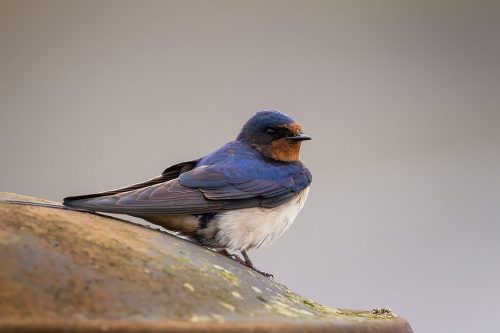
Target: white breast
column 251, row 228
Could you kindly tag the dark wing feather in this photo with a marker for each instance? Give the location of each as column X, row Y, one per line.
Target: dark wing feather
column 170, row 173
column 167, row 198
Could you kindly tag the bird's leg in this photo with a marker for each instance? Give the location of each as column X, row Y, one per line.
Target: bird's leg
column 224, row 252
column 249, row 263
column 232, row 256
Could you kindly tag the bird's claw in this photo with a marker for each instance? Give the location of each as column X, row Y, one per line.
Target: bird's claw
column 247, row 262
column 267, row 275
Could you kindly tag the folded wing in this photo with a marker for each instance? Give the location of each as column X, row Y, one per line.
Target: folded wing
column 203, row 189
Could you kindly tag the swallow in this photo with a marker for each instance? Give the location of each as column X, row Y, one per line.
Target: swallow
column 240, row 197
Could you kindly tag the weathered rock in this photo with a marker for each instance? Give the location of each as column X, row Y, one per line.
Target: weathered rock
column 64, row 270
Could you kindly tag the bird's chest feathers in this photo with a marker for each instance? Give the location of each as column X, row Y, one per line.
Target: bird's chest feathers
column 249, row 228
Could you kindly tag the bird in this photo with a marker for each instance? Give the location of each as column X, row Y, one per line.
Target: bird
column 240, row 197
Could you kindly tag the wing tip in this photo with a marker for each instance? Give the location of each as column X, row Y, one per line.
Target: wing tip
column 73, row 199
column 81, row 201
column 71, row 202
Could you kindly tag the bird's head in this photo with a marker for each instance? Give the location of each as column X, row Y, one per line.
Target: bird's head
column 274, row 134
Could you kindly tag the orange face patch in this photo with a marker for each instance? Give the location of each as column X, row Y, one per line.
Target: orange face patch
column 285, row 150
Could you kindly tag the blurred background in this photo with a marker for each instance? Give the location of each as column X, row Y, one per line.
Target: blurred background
column 402, row 99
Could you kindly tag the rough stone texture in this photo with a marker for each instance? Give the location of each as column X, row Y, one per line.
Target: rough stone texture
column 64, row 270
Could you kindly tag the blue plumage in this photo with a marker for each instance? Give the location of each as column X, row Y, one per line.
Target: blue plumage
column 261, row 120
column 236, row 171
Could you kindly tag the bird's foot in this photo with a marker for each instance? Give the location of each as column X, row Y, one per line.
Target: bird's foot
column 250, row 264
column 247, row 262
column 268, row 275
column 232, row 256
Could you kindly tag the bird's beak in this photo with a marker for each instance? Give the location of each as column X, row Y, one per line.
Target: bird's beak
column 300, row 137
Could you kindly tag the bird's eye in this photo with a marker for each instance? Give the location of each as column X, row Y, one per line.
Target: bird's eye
column 271, row 131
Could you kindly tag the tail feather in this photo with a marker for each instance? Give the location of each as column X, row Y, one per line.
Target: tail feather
column 55, row 206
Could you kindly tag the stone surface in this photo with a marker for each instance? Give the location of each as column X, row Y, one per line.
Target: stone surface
column 64, row 270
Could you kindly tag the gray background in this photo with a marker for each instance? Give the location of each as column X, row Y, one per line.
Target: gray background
column 401, row 98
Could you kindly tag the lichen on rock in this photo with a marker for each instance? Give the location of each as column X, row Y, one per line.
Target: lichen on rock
column 62, row 267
